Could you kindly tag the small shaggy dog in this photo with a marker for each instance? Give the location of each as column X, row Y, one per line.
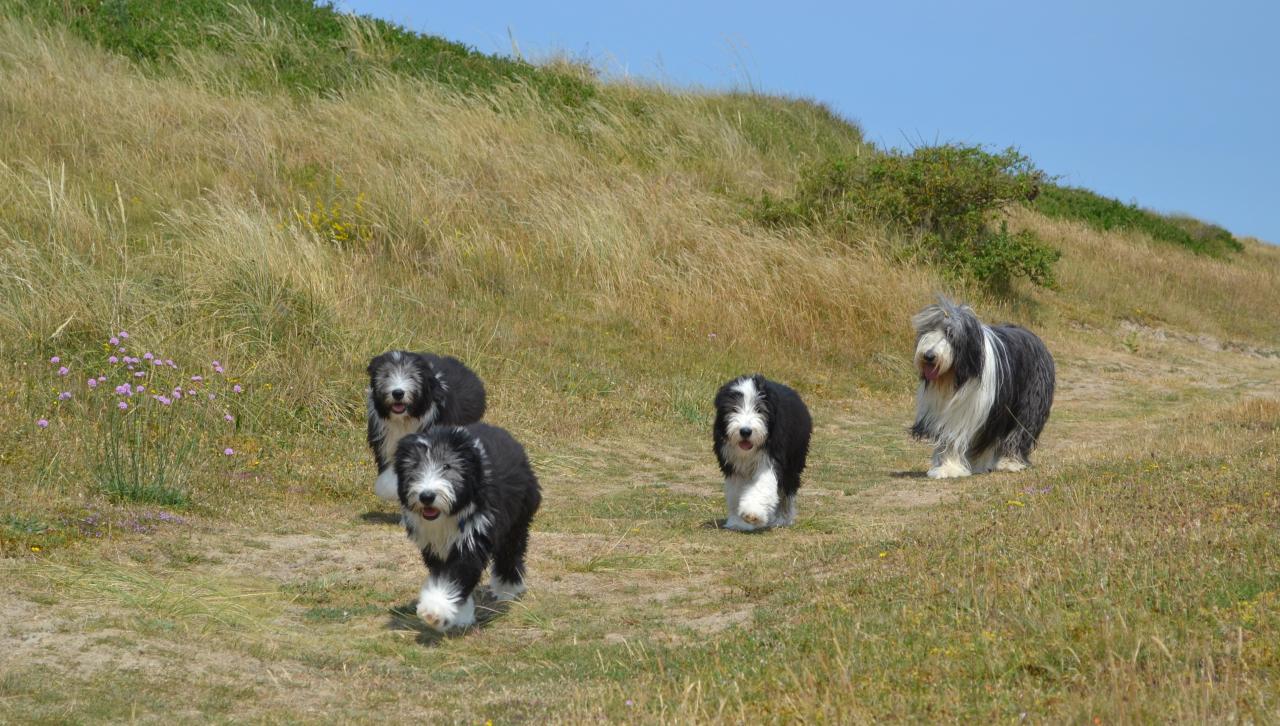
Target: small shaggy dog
column 985, row 391
column 468, row 496
column 761, row 439
column 409, row 392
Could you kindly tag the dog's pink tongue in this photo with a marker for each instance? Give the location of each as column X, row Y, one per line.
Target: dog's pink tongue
column 931, row 373
column 397, row 408
column 744, row 445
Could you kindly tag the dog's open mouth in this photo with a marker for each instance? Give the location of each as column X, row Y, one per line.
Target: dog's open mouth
column 744, row 445
column 429, row 513
column 930, row 373
column 397, row 408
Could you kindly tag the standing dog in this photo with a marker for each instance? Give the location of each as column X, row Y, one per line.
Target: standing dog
column 468, row 496
column 409, row 392
column 761, row 439
column 985, row 391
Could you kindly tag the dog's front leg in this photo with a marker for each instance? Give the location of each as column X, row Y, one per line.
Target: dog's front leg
column 949, row 462
column 760, row 497
column 445, row 602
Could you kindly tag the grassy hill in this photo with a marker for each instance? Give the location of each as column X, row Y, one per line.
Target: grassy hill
column 287, row 191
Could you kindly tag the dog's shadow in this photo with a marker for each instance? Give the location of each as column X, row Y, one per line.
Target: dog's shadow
column 714, row 523
column 378, row 517
column 908, row 474
column 405, row 618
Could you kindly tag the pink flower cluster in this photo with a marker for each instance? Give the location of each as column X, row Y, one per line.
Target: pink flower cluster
column 133, row 391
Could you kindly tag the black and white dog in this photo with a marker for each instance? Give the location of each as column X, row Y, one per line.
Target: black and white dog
column 408, row 392
column 985, row 391
column 468, row 496
column 761, row 439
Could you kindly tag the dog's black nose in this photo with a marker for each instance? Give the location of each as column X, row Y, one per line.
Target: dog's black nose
column 427, row 498
column 745, row 432
column 929, row 357
column 398, row 394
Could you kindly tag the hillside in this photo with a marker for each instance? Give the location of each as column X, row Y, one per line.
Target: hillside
column 288, row 191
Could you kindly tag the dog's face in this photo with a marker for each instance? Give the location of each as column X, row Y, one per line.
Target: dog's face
column 401, row 384
column 438, row 471
column 946, row 336
column 745, row 412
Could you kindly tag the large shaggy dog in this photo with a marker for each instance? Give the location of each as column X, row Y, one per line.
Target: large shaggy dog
column 761, row 439
column 409, row 392
column 468, row 495
column 985, row 391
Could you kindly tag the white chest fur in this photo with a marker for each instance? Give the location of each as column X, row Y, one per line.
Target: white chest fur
column 397, row 427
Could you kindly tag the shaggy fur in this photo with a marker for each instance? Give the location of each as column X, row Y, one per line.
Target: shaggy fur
column 468, row 496
column 761, row 440
column 409, row 392
column 985, row 391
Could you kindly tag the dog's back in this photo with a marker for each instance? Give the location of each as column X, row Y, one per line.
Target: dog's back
column 789, row 433
column 464, row 394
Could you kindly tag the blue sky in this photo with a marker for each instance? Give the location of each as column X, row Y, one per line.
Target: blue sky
column 1174, row 105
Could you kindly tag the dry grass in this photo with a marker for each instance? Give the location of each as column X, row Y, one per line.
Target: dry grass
column 597, row 270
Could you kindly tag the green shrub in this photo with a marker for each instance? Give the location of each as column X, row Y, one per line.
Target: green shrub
column 943, row 198
column 1103, row 213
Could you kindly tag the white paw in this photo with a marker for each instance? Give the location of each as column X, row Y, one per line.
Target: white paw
column 1008, row 463
column 754, row 517
column 736, row 524
column 387, row 486
column 949, row 470
column 447, row 615
column 439, row 608
column 503, row 590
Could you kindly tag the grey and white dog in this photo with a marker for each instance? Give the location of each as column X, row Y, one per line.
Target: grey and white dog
column 985, row 391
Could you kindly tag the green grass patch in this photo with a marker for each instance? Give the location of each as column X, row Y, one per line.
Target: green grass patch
column 296, row 45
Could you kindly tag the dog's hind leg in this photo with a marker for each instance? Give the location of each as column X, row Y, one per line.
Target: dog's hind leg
column 1015, row 451
column 506, row 579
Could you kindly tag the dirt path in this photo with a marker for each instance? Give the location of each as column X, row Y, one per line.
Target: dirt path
column 312, row 612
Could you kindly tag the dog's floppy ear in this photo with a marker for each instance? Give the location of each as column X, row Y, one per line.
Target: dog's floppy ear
column 467, row 447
